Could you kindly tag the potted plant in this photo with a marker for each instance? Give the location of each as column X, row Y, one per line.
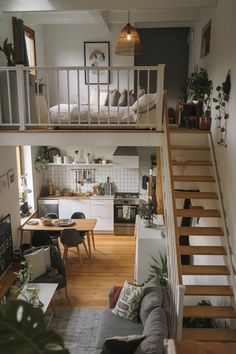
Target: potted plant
column 200, row 90
column 159, row 269
column 199, row 87
column 147, row 212
column 24, row 329
column 8, row 51
column 41, row 162
column 39, row 84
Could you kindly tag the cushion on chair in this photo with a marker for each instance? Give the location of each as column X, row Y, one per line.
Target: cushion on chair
column 47, row 258
column 56, row 262
column 37, row 263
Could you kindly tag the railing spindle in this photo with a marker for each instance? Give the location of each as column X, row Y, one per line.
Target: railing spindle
column 9, row 97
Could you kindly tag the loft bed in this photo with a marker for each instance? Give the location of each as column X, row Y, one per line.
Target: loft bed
column 79, row 98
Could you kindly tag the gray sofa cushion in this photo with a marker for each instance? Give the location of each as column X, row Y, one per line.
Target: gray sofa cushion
column 112, row 325
column 152, row 298
column 156, row 331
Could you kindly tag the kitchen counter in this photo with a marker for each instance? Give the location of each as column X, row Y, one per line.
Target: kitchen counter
column 99, row 197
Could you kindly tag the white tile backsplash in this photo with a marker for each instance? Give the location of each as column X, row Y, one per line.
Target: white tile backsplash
column 125, row 179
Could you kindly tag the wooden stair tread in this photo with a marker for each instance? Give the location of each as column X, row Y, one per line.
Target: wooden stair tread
column 205, row 231
column 193, row 178
column 192, row 163
column 189, row 346
column 218, row 290
column 208, row 213
column 204, row 270
column 210, row 334
column 209, row 312
column 196, row 195
column 206, row 250
column 189, row 147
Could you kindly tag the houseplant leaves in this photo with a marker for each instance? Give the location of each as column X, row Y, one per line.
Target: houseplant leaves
column 23, row 330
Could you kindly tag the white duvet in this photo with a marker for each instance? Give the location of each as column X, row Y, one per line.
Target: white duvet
column 64, row 113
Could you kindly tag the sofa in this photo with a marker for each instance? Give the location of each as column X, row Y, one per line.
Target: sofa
column 153, row 321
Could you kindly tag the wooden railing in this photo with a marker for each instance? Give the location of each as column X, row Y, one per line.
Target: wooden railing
column 32, row 97
column 176, row 287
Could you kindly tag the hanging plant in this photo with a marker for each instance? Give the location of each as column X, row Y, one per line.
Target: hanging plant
column 41, row 162
column 222, row 113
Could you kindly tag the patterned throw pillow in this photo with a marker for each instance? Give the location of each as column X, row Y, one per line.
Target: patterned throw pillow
column 129, row 301
column 117, row 345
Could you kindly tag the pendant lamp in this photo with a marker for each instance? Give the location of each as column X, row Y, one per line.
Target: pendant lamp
column 128, row 41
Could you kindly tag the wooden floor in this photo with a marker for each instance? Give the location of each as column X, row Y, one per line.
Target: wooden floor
column 88, row 284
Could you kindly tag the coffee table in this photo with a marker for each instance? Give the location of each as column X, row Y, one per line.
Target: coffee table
column 46, row 292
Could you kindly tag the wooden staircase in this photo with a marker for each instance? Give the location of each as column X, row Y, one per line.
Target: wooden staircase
column 194, row 165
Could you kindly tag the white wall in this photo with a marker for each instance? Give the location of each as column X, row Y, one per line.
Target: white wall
column 222, row 57
column 9, row 198
column 64, row 46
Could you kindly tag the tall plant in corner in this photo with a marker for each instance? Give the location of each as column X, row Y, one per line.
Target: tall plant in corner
column 222, row 114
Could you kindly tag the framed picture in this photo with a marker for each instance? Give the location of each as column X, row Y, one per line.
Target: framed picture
column 97, row 54
column 206, row 40
column 11, row 177
column 3, row 182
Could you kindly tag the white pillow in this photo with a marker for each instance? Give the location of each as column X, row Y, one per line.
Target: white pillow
column 37, row 264
column 144, row 103
column 47, row 258
column 94, row 97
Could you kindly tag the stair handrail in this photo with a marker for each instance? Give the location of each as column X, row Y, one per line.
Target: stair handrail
column 173, row 252
column 223, row 214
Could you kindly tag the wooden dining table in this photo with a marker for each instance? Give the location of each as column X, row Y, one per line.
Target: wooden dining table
column 83, row 225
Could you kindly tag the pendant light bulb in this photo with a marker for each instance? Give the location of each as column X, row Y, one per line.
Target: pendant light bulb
column 128, row 41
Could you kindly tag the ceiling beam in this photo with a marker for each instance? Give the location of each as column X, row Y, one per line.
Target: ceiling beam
column 161, row 15
column 62, row 5
column 100, row 19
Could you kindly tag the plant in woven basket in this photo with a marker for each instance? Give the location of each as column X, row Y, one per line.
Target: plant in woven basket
column 222, row 114
column 159, row 269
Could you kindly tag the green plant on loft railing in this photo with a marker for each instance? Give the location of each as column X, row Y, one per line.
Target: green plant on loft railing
column 222, row 114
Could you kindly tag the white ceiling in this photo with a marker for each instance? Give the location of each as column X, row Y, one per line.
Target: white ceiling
column 105, row 12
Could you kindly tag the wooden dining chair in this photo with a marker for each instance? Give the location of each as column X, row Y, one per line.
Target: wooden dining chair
column 72, row 238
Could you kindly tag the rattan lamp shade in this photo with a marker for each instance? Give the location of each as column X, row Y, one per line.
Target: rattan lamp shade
column 131, row 46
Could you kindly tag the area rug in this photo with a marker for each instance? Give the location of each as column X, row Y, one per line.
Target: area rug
column 78, row 327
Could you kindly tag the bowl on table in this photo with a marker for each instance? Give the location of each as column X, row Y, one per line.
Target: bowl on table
column 46, row 221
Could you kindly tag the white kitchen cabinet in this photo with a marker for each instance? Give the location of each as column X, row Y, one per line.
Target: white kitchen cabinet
column 103, row 211
column 149, row 242
column 69, row 206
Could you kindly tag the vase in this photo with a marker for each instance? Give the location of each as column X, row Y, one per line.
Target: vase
column 204, row 122
column 147, row 223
